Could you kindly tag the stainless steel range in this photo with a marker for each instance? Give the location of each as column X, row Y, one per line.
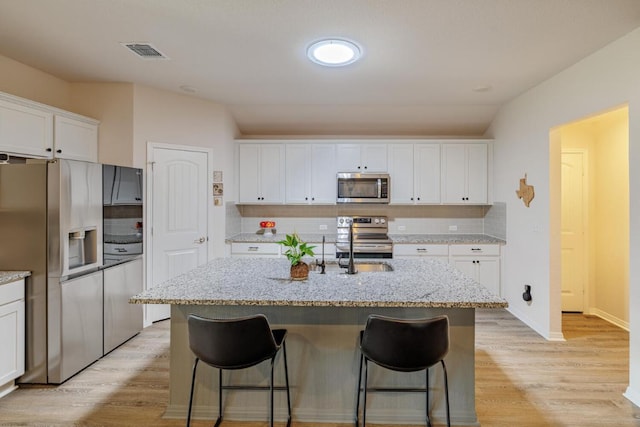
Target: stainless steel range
column 370, row 237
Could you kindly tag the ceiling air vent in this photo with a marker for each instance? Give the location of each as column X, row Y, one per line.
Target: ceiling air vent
column 145, row 50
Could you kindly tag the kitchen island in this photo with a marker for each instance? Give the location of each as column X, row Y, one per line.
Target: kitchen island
column 324, row 315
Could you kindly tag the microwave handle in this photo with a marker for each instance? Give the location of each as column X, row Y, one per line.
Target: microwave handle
column 379, row 188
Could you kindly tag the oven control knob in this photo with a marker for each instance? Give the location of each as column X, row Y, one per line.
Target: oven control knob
column 341, row 220
column 377, row 220
column 382, row 220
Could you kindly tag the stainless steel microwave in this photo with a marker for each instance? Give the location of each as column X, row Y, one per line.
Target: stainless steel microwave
column 354, row 187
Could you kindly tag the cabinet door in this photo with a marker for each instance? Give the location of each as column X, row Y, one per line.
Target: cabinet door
column 489, row 273
column 323, row 174
column 272, row 177
column 401, row 162
column 373, row 157
column 297, row 167
column 12, row 337
column 248, row 173
column 75, row 139
column 25, row 131
column 466, row 266
column 427, row 173
column 348, row 158
column 454, row 173
column 477, row 173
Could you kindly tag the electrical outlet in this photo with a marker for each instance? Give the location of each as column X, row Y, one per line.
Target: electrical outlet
column 402, row 227
column 323, row 226
column 453, row 228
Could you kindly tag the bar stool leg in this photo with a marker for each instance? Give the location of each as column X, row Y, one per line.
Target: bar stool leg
column 364, row 402
column 286, row 381
column 193, row 381
column 427, row 394
column 446, row 392
column 219, row 420
column 358, row 391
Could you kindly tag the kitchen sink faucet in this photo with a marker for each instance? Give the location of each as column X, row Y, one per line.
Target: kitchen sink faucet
column 351, row 268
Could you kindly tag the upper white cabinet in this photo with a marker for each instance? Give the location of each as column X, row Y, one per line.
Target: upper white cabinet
column 31, row 129
column 465, row 173
column 75, row 138
column 261, row 177
column 415, row 173
column 361, row 157
column 25, row 130
column 310, row 174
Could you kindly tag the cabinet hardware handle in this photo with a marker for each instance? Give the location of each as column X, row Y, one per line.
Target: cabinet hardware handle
column 252, row 248
column 418, row 198
column 58, row 151
column 422, row 250
column 49, row 150
column 476, row 249
column 412, row 199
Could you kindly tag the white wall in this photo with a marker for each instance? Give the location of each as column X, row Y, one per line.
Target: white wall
column 522, row 129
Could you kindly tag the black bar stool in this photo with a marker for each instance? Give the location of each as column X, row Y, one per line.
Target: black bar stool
column 236, row 344
column 403, row 345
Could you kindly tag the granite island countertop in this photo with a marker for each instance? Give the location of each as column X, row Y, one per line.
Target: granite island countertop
column 315, row 238
column 12, row 276
column 262, row 281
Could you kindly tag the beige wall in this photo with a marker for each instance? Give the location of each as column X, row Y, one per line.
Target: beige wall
column 27, row 82
column 605, row 140
column 112, row 104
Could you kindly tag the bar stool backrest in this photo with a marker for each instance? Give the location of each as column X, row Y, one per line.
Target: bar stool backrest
column 231, row 344
column 405, row 345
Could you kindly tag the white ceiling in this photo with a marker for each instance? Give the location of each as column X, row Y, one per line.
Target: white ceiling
column 422, row 58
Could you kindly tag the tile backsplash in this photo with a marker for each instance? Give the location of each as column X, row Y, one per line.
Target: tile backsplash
column 402, row 219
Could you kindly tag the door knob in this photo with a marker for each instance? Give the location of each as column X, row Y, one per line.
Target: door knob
column 200, row 240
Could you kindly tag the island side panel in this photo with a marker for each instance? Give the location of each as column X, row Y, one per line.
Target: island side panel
column 323, row 368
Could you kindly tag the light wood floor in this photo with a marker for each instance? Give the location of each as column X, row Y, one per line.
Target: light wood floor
column 521, row 380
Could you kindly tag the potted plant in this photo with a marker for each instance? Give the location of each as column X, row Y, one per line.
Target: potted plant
column 296, row 250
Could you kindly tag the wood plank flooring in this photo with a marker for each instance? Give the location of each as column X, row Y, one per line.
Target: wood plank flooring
column 521, row 380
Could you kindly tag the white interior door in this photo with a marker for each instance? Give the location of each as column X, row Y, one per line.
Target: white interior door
column 179, row 217
column 574, row 259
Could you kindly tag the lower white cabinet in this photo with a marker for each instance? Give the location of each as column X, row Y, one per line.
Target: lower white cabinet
column 12, row 335
column 481, row 262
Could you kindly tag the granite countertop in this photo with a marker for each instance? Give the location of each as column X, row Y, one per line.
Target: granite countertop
column 445, row 239
column 448, row 239
column 273, row 238
column 12, row 276
column 260, row 281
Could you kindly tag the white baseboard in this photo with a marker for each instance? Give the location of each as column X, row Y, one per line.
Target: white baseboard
column 633, row 395
column 546, row 334
column 610, row 318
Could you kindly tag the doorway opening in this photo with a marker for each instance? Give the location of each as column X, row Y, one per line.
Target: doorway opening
column 594, row 181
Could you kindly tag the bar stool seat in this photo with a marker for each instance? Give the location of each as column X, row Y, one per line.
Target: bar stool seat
column 406, row 346
column 238, row 343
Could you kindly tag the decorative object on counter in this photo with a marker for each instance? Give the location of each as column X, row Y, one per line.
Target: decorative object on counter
column 267, row 228
column 525, row 192
column 297, row 249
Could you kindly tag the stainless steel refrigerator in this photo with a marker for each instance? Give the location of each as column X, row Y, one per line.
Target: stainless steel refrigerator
column 51, row 225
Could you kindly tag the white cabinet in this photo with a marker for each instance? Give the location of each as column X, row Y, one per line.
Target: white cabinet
column 465, row 173
column 361, row 157
column 25, row 130
column 121, row 185
column 12, row 334
column 480, row 262
column 239, row 249
column 75, row 138
column 310, row 174
column 261, row 177
column 415, row 173
column 413, row 250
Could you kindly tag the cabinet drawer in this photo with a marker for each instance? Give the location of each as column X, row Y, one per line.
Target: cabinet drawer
column 474, row 250
column 420, row 250
column 238, row 248
column 10, row 292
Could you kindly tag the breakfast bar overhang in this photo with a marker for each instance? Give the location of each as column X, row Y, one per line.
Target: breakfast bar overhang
column 324, row 315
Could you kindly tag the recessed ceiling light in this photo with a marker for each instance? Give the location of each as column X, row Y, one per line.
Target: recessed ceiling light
column 334, row 52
